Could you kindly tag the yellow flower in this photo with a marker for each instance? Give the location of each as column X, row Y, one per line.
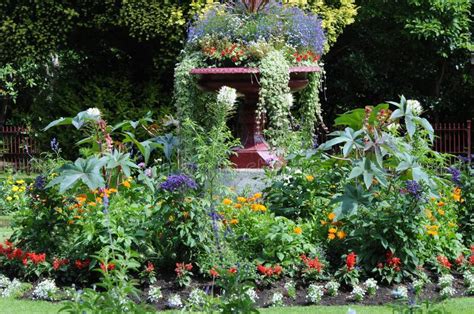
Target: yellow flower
column 309, row 178
column 257, row 195
column 341, row 234
column 331, row 216
column 238, row 206
column 126, row 184
column 20, row 182
column 332, row 230
column 428, row 213
column 234, row 221
column 81, row 198
column 77, row 217
column 262, row 208
column 441, row 212
column 15, row 188
column 457, row 194
column 323, row 223
column 227, row 201
column 432, row 232
column 92, row 204
column 22, row 189
column 241, row 199
column 171, row 218
column 9, row 198
column 451, row 224
column 331, row 236
column 297, row 230
column 112, row 190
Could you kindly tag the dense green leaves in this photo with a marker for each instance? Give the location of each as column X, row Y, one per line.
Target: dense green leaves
column 86, row 171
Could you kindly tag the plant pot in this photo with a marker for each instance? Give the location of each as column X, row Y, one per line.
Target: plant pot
column 256, row 152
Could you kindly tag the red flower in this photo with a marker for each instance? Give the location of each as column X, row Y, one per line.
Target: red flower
column 188, row 267
column 181, row 267
column 110, row 266
column 150, row 267
column 18, row 253
column 25, row 261
column 351, row 260
column 82, row 264
column 380, row 265
column 471, row 260
column 36, row 258
column 443, row 261
column 277, row 270
column 459, row 260
column 235, row 59
column 213, row 272
column 57, row 263
column 233, row 270
column 262, row 269
column 312, row 263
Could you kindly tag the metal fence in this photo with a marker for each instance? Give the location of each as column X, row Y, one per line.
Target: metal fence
column 17, row 147
column 453, row 138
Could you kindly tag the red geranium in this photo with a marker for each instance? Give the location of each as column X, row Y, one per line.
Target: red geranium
column 213, row 272
column 233, row 270
column 443, row 261
column 82, row 264
column 270, row 271
column 181, row 268
column 149, row 267
column 57, row 262
column 312, row 263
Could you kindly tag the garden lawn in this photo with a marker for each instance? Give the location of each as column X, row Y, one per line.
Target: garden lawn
column 454, row 306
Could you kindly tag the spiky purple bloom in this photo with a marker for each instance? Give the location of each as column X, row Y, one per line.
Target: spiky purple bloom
column 306, row 30
column 178, row 182
column 142, row 165
column 54, row 145
column 414, row 188
column 455, row 175
column 148, row 172
column 40, row 182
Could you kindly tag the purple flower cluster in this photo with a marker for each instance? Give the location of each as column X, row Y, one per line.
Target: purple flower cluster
column 306, row 31
column 54, row 145
column 455, row 175
column 414, row 188
column 40, row 182
column 178, row 182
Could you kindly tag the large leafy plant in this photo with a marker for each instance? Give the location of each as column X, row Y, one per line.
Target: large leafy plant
column 376, row 152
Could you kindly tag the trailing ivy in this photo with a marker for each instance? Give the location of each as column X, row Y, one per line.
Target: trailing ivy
column 273, row 98
column 310, row 109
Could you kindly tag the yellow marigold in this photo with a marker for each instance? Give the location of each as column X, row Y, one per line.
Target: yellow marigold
column 297, row 230
column 15, row 188
column 9, row 198
column 457, row 194
column 451, row 224
column 98, row 200
column 81, row 198
column 126, row 184
column 238, row 206
column 441, row 203
column 257, row 195
column 20, row 182
column 77, row 217
column 323, row 222
column 226, row 201
column 331, row 216
column 234, row 221
column 309, row 178
column 254, row 207
column 112, row 190
column 241, row 199
column 22, row 189
column 251, row 199
column 341, row 234
column 331, row 236
column 441, row 212
column 262, row 208
column 332, row 230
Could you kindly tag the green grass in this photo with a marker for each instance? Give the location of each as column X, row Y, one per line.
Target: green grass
column 453, row 306
column 5, row 230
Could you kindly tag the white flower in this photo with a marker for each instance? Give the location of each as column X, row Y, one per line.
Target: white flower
column 252, row 294
column 45, row 290
column 13, row 287
column 154, row 294
column 290, row 288
column 93, row 113
column 446, row 281
column 174, row 301
column 468, row 279
column 371, row 285
column 332, row 287
column 197, row 297
column 4, row 282
column 418, row 285
column 447, row 292
column 392, row 127
column 357, row 293
column 227, row 96
column 400, row 292
column 277, row 299
column 289, row 99
column 414, row 106
column 315, row 293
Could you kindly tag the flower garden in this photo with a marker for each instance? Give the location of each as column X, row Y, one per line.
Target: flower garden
column 148, row 215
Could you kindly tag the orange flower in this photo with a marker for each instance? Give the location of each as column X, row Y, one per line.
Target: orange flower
column 234, row 221
column 92, row 204
column 341, row 234
column 297, row 230
column 332, row 230
column 331, row 216
column 70, row 222
column 126, row 184
column 185, row 214
column 331, row 236
column 441, row 212
column 257, row 195
column 323, row 223
column 226, row 201
column 241, row 199
column 441, row 203
column 81, row 198
column 238, row 206
column 309, row 178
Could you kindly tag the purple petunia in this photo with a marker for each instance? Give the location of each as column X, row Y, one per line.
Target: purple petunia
column 178, row 182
